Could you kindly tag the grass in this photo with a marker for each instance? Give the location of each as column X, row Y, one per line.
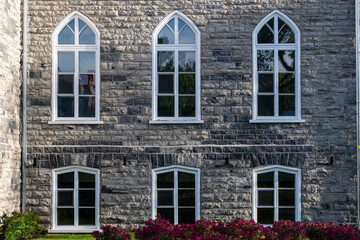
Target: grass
column 67, row 236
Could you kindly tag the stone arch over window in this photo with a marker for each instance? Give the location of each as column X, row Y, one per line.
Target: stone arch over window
column 276, row 70
column 176, row 71
column 75, row 71
column 75, row 199
column 276, row 194
column 176, row 193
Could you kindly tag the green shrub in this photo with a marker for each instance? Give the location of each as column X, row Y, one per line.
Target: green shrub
column 20, row 226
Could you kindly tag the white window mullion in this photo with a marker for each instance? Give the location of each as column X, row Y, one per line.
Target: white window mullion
column 276, row 196
column 76, row 83
column 276, row 29
column 76, row 32
column 176, row 195
column 176, row 83
column 76, row 199
column 276, row 83
column 176, row 26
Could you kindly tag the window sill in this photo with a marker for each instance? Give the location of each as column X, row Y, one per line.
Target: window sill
column 90, row 230
column 75, row 122
column 277, row 120
column 176, row 122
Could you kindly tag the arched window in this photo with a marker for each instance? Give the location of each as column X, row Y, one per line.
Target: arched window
column 75, row 199
column 176, row 71
column 276, row 70
column 76, row 71
column 176, row 194
column 276, row 194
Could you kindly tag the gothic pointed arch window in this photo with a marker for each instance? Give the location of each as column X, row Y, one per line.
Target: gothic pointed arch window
column 76, row 71
column 276, row 70
column 176, row 71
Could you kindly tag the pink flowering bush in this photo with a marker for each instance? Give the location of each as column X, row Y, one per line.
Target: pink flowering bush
column 111, row 233
column 286, row 230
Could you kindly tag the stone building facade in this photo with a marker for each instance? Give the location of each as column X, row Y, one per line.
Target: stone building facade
column 126, row 150
column 10, row 118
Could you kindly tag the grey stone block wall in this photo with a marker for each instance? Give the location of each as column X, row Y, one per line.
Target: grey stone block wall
column 324, row 147
column 10, row 118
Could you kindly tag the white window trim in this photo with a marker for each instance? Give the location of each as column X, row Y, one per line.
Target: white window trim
column 76, row 48
column 294, row 46
column 172, row 47
column 276, row 169
column 175, row 169
column 74, row 229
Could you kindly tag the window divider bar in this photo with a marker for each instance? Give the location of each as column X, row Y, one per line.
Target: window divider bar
column 176, row 195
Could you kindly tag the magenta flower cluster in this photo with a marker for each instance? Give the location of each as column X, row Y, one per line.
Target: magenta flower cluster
column 162, row 229
column 111, row 233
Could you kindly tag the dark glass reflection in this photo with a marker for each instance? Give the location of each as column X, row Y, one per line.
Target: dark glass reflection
column 186, row 180
column 286, row 180
column 165, row 198
column 266, row 82
column 87, row 216
column 166, row 213
column 66, row 84
column 186, row 197
column 286, row 197
column 65, row 216
column 186, row 215
column 86, row 106
column 286, row 35
column 66, row 180
column 265, row 215
column 86, row 180
column 65, row 198
column 265, row 105
column 186, row 106
column 166, row 83
column 186, row 83
column 165, row 106
column 165, row 61
column 186, row 61
column 165, row 180
column 287, row 105
column 286, row 83
column 166, row 36
column 265, row 180
column 266, row 33
column 87, row 84
column 265, row 60
column 86, row 198
column 265, row 198
column 287, row 214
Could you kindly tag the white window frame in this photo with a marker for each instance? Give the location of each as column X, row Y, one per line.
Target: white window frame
column 176, row 169
column 175, row 48
column 76, row 48
column 277, row 46
column 75, row 228
column 276, row 169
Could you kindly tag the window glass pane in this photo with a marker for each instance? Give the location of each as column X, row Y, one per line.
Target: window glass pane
column 287, row 214
column 186, row 61
column 186, row 106
column 65, row 216
column 65, row 198
column 86, row 106
column 265, row 215
column 87, row 84
column 286, row 197
column 266, row 82
column 66, row 84
column 165, row 180
column 286, row 83
column 166, row 36
column 87, row 62
column 186, row 197
column 287, row 105
column 286, row 35
column 86, row 180
column 265, row 180
column 165, row 106
column 186, row 180
column 286, row 180
column 166, row 83
column 87, row 198
column 171, row 23
column 81, row 24
column 265, row 198
column 287, row 61
column 166, row 213
column 87, row 216
column 266, row 33
column 187, row 36
column 87, row 36
column 165, row 61
column 181, row 24
column 65, row 106
column 65, row 61
column 165, row 198
column 71, row 25
column 66, row 36
column 186, row 215
column 66, row 180
column 186, row 83
column 266, row 105
column 265, row 60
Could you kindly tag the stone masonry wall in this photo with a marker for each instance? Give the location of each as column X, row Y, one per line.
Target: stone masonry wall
column 126, row 147
column 10, row 93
